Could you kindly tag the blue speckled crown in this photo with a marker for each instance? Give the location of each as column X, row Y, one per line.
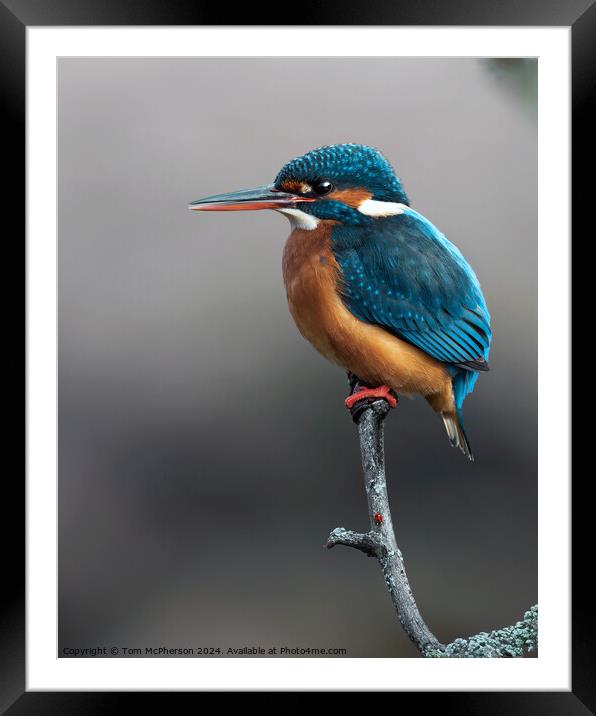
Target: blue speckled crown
column 347, row 165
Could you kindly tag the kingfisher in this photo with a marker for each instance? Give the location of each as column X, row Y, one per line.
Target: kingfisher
column 372, row 284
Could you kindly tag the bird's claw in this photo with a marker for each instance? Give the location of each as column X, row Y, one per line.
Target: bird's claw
column 363, row 396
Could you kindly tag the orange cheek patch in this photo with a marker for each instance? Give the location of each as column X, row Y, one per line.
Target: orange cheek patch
column 351, row 197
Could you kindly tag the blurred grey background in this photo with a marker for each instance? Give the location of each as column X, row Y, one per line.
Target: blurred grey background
column 204, row 450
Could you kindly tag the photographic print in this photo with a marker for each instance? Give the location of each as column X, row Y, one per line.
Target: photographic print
column 220, row 373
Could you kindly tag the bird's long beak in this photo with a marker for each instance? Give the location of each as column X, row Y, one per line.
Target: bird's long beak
column 263, row 197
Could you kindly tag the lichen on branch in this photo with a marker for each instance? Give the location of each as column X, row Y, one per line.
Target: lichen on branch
column 511, row 641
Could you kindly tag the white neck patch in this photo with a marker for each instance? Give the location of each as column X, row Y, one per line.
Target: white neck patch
column 300, row 219
column 378, row 209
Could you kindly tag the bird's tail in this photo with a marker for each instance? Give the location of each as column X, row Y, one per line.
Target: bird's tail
column 456, row 432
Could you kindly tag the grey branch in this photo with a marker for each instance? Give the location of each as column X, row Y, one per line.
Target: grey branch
column 380, row 542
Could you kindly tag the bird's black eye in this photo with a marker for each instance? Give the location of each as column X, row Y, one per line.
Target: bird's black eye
column 322, row 187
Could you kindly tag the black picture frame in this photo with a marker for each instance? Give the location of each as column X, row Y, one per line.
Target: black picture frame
column 15, row 17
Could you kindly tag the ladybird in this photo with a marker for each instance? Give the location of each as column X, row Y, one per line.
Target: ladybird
column 378, row 518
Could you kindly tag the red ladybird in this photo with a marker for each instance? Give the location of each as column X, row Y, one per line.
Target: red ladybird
column 378, row 518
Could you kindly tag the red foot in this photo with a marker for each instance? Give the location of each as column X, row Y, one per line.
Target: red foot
column 383, row 391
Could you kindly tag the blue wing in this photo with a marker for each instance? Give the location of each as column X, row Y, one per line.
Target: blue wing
column 401, row 273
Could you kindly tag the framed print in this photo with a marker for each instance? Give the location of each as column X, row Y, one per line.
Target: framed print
column 190, row 456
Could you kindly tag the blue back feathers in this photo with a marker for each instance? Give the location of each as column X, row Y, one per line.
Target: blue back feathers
column 401, row 273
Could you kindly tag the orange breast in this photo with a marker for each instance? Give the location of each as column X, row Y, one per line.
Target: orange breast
column 311, row 276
